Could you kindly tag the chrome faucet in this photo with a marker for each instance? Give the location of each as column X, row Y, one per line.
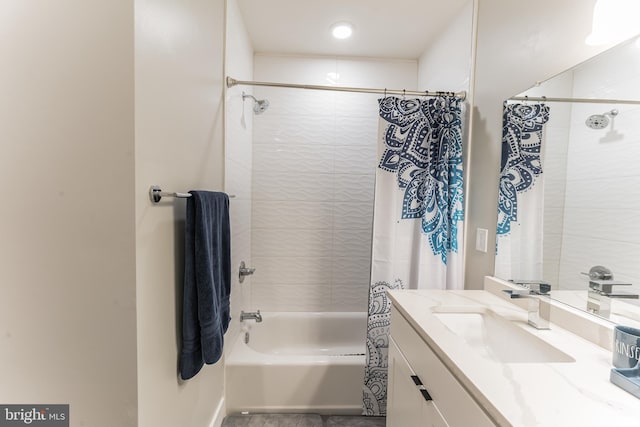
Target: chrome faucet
column 538, row 317
column 251, row 316
column 244, row 271
column 601, row 293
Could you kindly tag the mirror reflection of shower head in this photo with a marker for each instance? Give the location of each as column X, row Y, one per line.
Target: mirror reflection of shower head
column 259, row 105
column 600, row 121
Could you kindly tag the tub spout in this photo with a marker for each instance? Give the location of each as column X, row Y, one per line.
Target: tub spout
column 251, row 316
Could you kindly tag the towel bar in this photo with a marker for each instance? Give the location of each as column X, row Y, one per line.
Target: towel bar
column 156, row 194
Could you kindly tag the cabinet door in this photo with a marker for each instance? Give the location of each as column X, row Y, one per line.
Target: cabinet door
column 407, row 406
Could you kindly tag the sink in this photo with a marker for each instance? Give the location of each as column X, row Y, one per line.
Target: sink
column 498, row 338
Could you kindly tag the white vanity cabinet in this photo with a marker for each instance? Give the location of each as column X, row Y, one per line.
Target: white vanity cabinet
column 421, row 390
column 408, row 401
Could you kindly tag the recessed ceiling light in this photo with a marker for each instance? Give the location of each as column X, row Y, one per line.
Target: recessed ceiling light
column 342, row 30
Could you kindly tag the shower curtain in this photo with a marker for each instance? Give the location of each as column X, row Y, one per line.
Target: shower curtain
column 418, row 218
column 521, row 193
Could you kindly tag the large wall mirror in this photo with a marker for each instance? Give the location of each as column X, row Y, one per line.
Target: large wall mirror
column 569, row 209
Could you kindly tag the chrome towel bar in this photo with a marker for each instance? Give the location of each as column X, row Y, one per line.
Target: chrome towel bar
column 156, row 194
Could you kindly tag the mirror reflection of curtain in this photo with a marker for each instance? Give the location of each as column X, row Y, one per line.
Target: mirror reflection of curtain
column 418, row 217
column 519, row 236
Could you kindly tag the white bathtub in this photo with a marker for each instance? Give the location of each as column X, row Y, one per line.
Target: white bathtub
column 298, row 362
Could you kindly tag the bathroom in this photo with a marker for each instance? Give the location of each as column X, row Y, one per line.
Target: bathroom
column 101, row 100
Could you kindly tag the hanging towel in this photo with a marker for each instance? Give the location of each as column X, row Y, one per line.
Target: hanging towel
column 207, row 280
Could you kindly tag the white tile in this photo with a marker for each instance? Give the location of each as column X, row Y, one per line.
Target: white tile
column 292, row 214
column 291, row 243
column 353, row 187
column 288, row 186
column 355, row 159
column 293, row 69
column 611, row 192
column 399, row 74
column 305, row 104
column 292, row 297
column 353, row 215
column 350, row 269
column 352, row 243
column 354, row 131
column 611, row 226
column 293, row 157
column 294, row 131
column 295, row 270
column 350, row 297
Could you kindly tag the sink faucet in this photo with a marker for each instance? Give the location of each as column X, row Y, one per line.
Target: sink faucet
column 251, row 316
column 601, row 293
column 537, row 318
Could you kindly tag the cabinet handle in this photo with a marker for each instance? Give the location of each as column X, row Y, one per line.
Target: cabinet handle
column 425, row 394
column 418, row 382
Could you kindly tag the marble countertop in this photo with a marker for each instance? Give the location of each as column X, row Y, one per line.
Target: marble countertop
column 523, row 394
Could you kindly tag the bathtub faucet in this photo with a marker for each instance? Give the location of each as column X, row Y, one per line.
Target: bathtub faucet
column 251, row 316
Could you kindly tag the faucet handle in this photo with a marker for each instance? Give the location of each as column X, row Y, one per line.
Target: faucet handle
column 538, row 287
column 517, row 293
column 605, row 287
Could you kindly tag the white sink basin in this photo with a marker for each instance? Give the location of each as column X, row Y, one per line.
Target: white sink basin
column 497, row 338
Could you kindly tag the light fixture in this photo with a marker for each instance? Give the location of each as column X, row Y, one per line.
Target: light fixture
column 613, row 21
column 342, row 30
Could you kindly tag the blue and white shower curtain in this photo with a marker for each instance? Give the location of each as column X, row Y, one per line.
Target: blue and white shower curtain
column 519, row 235
column 418, row 217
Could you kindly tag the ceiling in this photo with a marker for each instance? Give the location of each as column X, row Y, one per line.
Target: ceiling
column 382, row 28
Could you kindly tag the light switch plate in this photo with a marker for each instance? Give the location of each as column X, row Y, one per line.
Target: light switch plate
column 482, row 234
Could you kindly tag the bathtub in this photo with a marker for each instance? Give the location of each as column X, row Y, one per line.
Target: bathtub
column 298, row 362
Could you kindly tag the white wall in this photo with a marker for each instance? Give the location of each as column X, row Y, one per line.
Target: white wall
column 179, row 101
column 67, row 252
column 446, row 63
column 518, row 43
column 602, row 214
column 238, row 158
column 314, row 164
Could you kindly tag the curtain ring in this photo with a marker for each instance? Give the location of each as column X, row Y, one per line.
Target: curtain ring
column 385, row 92
column 404, row 92
column 526, row 99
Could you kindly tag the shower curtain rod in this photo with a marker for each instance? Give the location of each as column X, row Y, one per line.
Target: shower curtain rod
column 460, row 95
column 577, row 100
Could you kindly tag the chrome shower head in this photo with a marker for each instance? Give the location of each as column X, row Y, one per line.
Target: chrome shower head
column 259, row 105
column 600, row 121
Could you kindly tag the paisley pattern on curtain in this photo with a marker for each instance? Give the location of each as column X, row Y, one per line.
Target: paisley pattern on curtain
column 522, row 127
column 424, row 150
column 379, row 320
column 420, row 178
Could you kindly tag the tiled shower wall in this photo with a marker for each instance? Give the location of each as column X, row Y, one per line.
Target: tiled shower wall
column 602, row 206
column 314, row 162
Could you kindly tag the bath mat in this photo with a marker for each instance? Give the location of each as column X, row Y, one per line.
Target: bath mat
column 273, row 420
column 346, row 421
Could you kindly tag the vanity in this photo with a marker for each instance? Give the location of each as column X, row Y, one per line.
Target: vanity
column 469, row 358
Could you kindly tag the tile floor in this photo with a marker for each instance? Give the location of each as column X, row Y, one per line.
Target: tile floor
column 301, row 420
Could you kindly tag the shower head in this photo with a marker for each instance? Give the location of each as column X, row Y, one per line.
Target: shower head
column 600, row 121
column 259, row 105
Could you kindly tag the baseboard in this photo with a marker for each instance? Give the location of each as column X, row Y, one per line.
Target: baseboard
column 219, row 414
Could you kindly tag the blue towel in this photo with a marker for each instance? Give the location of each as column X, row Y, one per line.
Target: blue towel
column 207, row 281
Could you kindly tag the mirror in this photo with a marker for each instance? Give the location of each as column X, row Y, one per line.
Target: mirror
column 569, row 208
